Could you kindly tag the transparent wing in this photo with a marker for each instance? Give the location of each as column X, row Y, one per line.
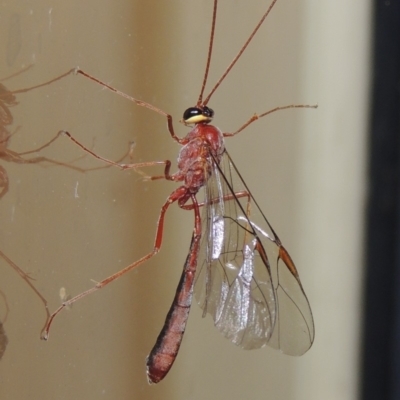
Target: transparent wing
column 245, row 279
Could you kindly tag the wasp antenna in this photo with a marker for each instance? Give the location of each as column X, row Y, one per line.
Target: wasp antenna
column 210, row 48
column 240, row 52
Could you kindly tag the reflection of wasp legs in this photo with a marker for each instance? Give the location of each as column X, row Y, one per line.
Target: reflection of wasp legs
column 28, row 279
column 3, row 336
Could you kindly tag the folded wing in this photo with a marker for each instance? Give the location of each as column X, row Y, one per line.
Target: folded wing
column 246, row 279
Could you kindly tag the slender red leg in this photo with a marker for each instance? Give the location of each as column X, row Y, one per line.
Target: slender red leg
column 110, row 162
column 9, row 155
column 163, row 354
column 174, row 196
column 71, row 71
column 136, row 101
column 21, row 71
column 255, row 117
column 27, row 279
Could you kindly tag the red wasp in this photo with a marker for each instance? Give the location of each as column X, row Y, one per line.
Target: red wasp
column 237, row 266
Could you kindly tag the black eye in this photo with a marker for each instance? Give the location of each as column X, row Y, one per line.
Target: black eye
column 191, row 112
column 208, row 112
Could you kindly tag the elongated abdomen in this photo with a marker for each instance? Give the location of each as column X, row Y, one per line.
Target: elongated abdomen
column 164, row 352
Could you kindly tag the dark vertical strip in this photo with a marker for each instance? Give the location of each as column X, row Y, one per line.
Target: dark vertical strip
column 381, row 340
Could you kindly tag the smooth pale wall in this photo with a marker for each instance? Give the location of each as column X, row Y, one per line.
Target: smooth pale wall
column 306, row 169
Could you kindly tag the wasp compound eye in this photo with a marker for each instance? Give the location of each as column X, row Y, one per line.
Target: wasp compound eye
column 190, row 113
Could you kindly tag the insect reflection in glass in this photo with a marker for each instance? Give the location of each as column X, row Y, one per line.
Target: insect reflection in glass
column 8, row 101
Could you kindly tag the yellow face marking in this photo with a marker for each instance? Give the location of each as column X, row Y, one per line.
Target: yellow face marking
column 197, row 119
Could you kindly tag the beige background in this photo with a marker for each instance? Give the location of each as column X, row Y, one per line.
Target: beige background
column 305, row 168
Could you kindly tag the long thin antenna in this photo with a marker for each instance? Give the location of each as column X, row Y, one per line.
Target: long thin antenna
column 210, row 48
column 240, row 53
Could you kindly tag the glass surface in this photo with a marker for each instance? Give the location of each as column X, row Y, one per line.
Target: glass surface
column 68, row 229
